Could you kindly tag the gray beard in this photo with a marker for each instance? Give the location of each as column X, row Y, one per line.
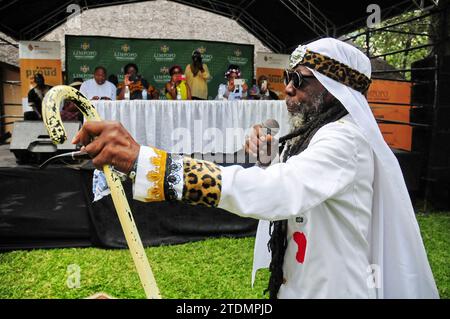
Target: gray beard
column 306, row 113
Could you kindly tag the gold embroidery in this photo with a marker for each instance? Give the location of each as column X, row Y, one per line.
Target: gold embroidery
column 156, row 192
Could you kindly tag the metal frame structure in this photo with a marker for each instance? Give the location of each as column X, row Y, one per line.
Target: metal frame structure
column 239, row 14
column 434, row 165
column 311, row 16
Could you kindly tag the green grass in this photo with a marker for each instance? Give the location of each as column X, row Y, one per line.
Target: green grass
column 435, row 229
column 216, row 268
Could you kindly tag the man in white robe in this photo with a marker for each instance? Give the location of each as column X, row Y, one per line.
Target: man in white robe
column 342, row 222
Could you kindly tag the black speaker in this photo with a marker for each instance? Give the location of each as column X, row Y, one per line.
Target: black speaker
column 423, row 89
column 435, row 148
column 31, row 143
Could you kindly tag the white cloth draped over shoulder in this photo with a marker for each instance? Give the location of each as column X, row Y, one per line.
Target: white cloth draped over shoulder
column 395, row 242
column 193, row 126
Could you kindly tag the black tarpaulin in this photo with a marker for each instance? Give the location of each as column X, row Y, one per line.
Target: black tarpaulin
column 53, row 208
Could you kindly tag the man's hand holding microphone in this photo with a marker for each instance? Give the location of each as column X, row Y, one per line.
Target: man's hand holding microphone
column 261, row 143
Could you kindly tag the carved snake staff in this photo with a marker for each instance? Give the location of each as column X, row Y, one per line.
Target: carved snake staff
column 52, row 120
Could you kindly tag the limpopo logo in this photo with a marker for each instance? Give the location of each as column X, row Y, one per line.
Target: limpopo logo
column 165, row 49
column 125, row 53
column 84, row 73
column 84, row 53
column 164, row 70
column 125, row 48
column 205, row 57
column 164, row 54
column 237, row 58
column 84, row 68
column 163, row 76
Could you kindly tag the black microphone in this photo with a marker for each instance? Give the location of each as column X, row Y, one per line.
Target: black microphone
column 273, row 127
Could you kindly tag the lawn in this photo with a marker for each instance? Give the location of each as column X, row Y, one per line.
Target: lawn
column 216, row 268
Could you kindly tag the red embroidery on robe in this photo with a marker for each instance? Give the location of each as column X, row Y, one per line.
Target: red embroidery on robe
column 300, row 240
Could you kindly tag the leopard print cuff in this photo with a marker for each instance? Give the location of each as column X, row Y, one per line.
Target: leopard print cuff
column 202, row 183
column 170, row 177
column 331, row 68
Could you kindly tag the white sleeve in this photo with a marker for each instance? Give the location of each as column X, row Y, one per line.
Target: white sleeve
column 221, row 92
column 84, row 90
column 113, row 92
column 285, row 190
column 281, row 191
column 146, row 167
column 141, row 183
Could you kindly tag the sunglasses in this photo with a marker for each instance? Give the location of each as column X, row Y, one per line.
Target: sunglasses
column 295, row 77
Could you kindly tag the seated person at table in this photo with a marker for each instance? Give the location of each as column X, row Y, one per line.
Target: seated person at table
column 253, row 92
column 98, row 88
column 177, row 88
column 264, row 89
column 113, row 79
column 232, row 90
column 136, row 84
column 69, row 111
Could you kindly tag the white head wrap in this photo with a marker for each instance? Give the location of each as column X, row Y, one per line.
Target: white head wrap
column 395, row 242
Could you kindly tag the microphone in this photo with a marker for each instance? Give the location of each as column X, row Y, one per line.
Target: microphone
column 272, row 126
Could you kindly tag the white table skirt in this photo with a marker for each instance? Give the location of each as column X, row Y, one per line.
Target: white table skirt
column 193, row 126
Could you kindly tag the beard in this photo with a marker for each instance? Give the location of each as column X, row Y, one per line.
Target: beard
column 301, row 113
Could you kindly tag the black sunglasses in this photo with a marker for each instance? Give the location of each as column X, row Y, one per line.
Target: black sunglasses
column 296, row 77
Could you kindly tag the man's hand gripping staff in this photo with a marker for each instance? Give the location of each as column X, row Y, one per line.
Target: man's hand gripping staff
column 52, row 120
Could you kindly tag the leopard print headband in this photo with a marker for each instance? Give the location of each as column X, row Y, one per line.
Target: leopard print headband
column 331, row 68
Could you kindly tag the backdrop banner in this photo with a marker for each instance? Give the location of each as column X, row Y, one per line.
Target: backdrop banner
column 154, row 57
column 272, row 65
column 38, row 57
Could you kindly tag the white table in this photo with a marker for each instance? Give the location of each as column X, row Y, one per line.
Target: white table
column 193, row 126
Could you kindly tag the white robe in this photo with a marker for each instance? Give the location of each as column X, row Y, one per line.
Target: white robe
column 326, row 195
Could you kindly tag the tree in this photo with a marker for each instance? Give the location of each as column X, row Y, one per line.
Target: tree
column 407, row 35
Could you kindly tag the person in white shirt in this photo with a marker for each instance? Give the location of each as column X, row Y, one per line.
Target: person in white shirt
column 99, row 88
column 333, row 206
column 231, row 91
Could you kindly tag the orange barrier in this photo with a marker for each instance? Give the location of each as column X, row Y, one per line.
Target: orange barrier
column 398, row 92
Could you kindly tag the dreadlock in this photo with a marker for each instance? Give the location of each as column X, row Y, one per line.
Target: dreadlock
column 278, row 230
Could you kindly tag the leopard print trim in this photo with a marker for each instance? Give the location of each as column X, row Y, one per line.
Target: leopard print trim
column 336, row 70
column 157, row 176
column 202, row 183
